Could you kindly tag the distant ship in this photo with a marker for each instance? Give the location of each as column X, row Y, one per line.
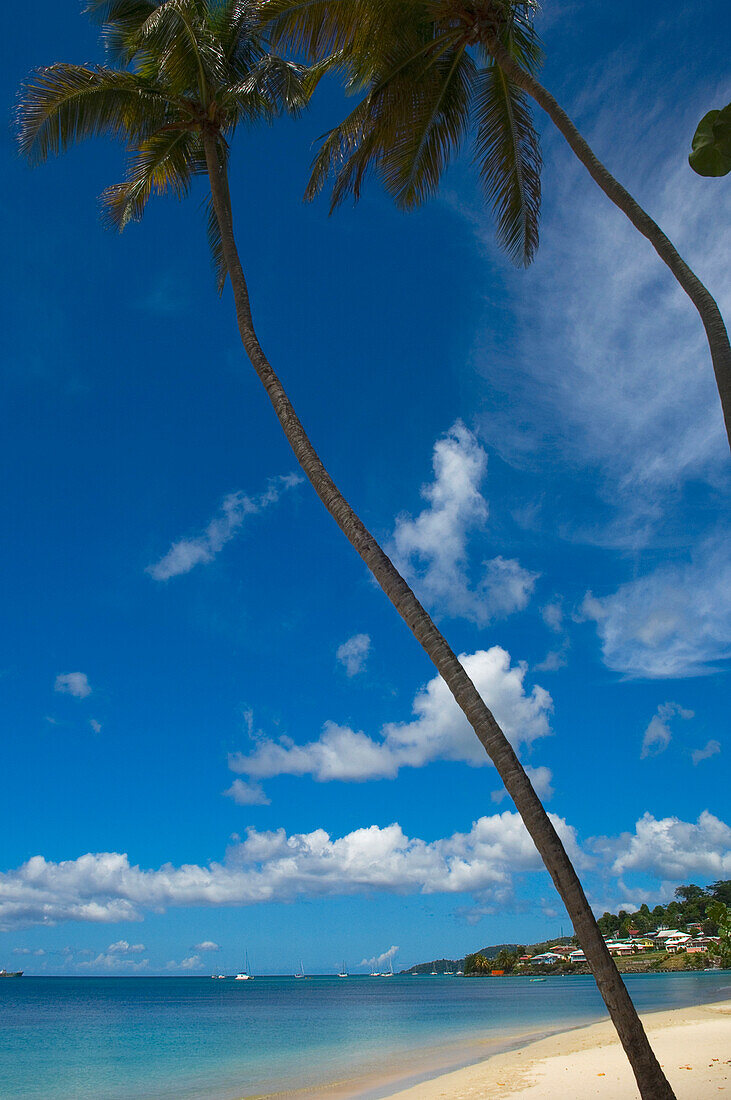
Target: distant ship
column 301, row 970
column 11, row 973
column 343, row 973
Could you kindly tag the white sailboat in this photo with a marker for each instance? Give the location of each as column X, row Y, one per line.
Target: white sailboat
column 245, row 976
column 301, row 973
column 343, row 973
column 388, row 973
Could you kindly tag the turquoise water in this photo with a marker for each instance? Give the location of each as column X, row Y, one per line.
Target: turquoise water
column 193, row 1038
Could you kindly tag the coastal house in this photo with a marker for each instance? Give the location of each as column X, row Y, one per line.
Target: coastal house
column 578, row 957
column 545, row 959
column 620, row 948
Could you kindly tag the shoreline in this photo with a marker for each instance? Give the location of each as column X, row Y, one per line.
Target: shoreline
column 692, row 1044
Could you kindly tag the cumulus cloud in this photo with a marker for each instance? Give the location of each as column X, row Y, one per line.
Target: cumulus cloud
column 437, row 731
column 192, row 962
column 207, row 945
column 122, row 947
column 96, row 726
column 711, row 749
column 353, row 654
column 380, row 960
column 247, row 794
column 657, row 736
column 186, row 553
column 73, row 683
column 274, row 866
column 674, row 621
column 431, row 549
column 671, row 849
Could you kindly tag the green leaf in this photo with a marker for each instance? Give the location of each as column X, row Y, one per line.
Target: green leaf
column 711, row 155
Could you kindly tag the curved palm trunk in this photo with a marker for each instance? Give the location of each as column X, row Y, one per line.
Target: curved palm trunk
column 701, row 298
column 650, row 1078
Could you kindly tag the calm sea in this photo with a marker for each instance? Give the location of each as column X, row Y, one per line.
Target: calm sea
column 198, row 1039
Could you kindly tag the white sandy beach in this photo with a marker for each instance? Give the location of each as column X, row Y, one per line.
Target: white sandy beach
column 692, row 1044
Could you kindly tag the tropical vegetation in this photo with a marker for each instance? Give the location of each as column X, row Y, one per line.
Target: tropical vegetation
column 432, row 71
column 711, row 146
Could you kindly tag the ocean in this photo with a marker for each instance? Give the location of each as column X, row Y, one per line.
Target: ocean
column 198, row 1039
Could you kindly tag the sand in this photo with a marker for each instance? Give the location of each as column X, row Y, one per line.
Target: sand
column 693, row 1046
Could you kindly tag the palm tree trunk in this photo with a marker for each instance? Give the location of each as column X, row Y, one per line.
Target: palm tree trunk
column 701, row 298
column 650, row 1078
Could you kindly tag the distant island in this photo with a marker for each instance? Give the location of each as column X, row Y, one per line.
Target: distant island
column 692, row 932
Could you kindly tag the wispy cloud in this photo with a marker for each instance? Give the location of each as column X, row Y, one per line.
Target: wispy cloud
column 432, row 549
column 186, row 553
column 353, row 653
column 246, row 794
column 675, row 621
column 610, row 372
column 657, row 736
column 712, row 748
column 73, row 683
column 437, row 731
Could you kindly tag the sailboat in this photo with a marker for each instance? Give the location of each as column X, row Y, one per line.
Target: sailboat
column 343, row 973
column 301, row 973
column 245, row 976
column 388, row 973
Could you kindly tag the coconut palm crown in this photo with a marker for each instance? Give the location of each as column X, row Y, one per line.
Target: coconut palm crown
column 433, row 70
column 430, row 81
column 178, row 69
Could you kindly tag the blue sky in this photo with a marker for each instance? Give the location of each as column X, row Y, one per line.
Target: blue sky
column 218, row 736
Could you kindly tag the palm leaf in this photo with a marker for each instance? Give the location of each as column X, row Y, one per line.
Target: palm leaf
column 64, row 104
column 163, row 163
column 508, row 158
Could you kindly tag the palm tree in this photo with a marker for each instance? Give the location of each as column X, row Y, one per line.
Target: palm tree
column 434, row 69
column 187, row 72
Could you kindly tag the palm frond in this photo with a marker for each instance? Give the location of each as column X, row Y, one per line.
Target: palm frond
column 64, row 104
column 163, row 163
column 121, row 21
column 412, row 166
column 508, row 158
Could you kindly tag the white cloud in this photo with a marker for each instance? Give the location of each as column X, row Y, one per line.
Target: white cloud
column 612, row 373
column 674, row 621
column 671, row 849
column 73, row 683
column 113, row 961
column 711, row 749
column 657, row 736
column 431, row 549
column 96, row 726
column 438, row 730
column 185, row 554
column 552, row 615
column 353, row 654
column 272, row 866
column 122, row 947
column 379, row 960
column 193, row 962
column 207, row 945
column 246, row 794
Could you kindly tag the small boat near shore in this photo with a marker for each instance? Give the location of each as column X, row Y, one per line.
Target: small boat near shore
column 11, row 973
